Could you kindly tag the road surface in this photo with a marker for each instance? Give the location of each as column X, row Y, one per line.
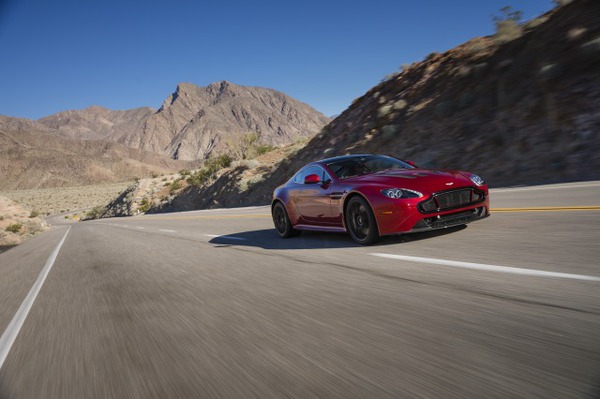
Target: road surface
column 213, row 304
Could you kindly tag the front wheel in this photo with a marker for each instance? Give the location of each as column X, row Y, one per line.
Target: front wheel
column 360, row 221
column 282, row 222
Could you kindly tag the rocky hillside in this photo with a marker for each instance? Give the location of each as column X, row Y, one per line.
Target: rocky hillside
column 522, row 110
column 97, row 123
column 33, row 156
column 195, row 122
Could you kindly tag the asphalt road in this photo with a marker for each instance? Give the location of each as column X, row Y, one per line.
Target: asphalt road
column 213, row 304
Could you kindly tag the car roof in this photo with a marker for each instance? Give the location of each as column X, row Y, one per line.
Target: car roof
column 343, row 157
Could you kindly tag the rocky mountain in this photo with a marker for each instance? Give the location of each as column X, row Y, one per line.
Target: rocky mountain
column 195, row 122
column 33, row 156
column 97, row 123
column 517, row 110
column 98, row 145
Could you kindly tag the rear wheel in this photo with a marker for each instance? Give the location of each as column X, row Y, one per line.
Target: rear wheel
column 282, row 222
column 360, row 221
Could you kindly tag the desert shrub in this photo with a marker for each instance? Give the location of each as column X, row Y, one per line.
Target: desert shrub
column 384, row 110
column 154, row 175
column 211, row 167
column 34, row 228
column 507, row 24
column 145, row 205
column 95, row 213
column 219, row 162
column 14, row 228
column 431, row 55
column 404, row 67
column 390, row 76
column 264, row 148
column 247, row 147
column 176, row 185
column 536, row 22
column 199, row 177
column 184, row 172
column 34, row 214
column 1, row 217
column 400, row 104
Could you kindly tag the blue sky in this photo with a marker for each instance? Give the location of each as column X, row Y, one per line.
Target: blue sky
column 59, row 55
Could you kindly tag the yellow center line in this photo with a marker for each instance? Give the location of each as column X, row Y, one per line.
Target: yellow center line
column 208, row 217
column 549, row 209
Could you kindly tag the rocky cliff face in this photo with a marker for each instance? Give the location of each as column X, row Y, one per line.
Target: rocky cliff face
column 196, row 121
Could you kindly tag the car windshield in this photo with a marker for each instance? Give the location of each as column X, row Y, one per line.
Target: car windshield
column 363, row 165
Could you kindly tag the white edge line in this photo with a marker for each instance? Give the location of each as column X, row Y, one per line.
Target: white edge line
column 168, row 231
column 227, row 237
column 491, row 268
column 12, row 331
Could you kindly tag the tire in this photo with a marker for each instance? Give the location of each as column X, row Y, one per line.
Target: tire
column 360, row 221
column 282, row 222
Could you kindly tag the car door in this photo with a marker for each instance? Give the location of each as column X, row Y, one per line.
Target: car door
column 312, row 200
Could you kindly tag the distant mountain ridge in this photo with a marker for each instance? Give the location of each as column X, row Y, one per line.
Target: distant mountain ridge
column 35, row 156
column 97, row 123
column 98, row 145
column 193, row 122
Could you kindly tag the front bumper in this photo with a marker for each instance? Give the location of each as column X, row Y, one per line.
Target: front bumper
column 405, row 216
column 450, row 220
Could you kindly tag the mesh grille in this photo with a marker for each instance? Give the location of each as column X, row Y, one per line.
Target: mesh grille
column 452, row 199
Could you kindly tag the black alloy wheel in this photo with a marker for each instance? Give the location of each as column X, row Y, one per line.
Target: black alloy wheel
column 282, row 222
column 360, row 221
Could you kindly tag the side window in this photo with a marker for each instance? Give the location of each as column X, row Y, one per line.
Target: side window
column 311, row 170
column 298, row 178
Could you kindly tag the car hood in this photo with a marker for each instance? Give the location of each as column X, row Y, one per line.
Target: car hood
column 417, row 179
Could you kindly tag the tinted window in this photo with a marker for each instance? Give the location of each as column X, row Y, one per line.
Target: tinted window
column 357, row 166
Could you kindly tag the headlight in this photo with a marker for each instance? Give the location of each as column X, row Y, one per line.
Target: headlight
column 401, row 193
column 477, row 180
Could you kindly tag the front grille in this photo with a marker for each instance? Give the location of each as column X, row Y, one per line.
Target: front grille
column 452, row 199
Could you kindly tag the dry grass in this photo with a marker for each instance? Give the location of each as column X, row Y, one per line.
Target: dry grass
column 49, row 201
column 17, row 224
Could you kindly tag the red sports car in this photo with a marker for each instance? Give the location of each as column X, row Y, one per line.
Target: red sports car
column 370, row 196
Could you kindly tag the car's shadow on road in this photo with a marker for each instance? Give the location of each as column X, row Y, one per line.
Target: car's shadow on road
column 268, row 239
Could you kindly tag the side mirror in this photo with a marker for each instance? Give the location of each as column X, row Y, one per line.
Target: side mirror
column 411, row 163
column 312, row 179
